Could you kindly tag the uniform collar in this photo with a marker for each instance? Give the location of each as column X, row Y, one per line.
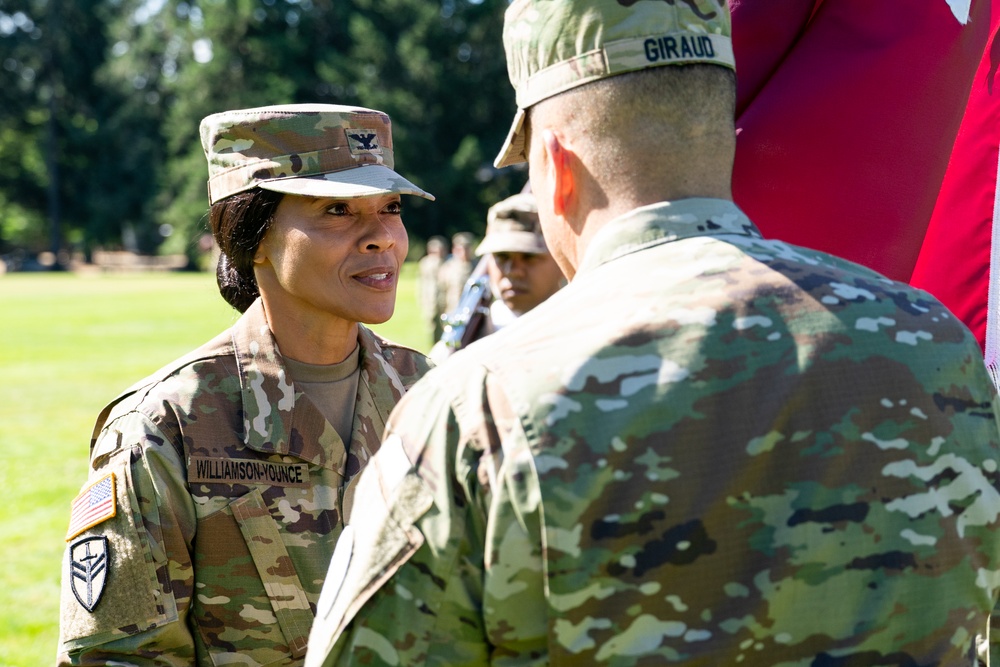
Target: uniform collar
column 664, row 222
column 280, row 420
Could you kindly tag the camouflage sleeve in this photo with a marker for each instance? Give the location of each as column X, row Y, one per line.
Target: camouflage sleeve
column 990, row 654
column 410, row 586
column 514, row 605
column 127, row 579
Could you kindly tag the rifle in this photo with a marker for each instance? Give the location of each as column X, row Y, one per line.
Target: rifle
column 462, row 325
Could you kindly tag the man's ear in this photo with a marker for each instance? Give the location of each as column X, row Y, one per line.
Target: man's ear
column 559, row 159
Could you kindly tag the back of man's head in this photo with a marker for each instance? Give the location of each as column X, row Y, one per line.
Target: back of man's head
column 643, row 90
column 667, row 131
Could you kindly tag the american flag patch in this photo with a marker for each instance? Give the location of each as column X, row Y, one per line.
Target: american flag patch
column 95, row 504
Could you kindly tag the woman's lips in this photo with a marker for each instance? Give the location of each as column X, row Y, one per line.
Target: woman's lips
column 380, row 278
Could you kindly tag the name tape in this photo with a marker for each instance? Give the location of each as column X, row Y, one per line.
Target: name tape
column 207, row 470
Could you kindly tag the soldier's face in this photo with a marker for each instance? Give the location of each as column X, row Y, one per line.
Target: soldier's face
column 523, row 280
column 337, row 258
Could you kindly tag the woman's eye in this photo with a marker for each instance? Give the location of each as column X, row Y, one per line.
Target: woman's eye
column 338, row 209
column 395, row 208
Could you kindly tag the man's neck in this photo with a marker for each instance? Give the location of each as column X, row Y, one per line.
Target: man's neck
column 597, row 218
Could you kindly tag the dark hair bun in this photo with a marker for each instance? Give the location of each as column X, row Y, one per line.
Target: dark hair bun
column 238, row 289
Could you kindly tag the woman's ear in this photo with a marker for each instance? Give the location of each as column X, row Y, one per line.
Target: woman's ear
column 259, row 255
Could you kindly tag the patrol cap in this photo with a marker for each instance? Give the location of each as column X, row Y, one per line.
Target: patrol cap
column 512, row 226
column 318, row 150
column 555, row 45
column 464, row 239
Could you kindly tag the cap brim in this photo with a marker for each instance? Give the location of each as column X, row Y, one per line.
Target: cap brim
column 513, row 148
column 363, row 181
column 526, row 242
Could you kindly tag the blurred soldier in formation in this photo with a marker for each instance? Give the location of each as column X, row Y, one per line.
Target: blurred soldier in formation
column 709, row 448
column 431, row 297
column 515, row 274
column 455, row 270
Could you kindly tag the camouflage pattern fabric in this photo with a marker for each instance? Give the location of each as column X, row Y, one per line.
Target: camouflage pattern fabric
column 231, row 490
column 555, row 45
column 512, row 226
column 318, row 150
column 752, row 453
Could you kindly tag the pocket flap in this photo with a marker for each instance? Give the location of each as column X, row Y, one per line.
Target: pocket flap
column 284, row 590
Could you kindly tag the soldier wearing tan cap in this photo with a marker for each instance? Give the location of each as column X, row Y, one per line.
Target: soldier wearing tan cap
column 219, row 485
column 709, row 448
column 515, row 274
column 521, row 270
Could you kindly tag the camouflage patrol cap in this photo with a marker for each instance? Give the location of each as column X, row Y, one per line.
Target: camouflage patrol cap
column 317, row 150
column 463, row 239
column 555, row 45
column 512, row 226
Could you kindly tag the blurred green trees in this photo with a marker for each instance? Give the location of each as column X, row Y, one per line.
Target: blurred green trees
column 101, row 101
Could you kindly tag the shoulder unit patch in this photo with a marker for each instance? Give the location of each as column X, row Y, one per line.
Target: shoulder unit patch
column 89, row 562
column 95, row 504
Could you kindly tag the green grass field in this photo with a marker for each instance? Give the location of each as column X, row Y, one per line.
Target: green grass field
column 69, row 344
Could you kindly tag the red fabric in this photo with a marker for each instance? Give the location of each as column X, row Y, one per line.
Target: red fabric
column 954, row 262
column 847, row 113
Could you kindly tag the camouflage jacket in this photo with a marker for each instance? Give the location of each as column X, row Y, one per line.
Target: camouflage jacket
column 218, row 492
column 709, row 449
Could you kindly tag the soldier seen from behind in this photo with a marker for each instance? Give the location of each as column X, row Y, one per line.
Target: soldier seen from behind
column 219, row 485
column 709, row 448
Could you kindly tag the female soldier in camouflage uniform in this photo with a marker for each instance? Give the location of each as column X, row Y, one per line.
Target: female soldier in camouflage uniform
column 219, row 485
